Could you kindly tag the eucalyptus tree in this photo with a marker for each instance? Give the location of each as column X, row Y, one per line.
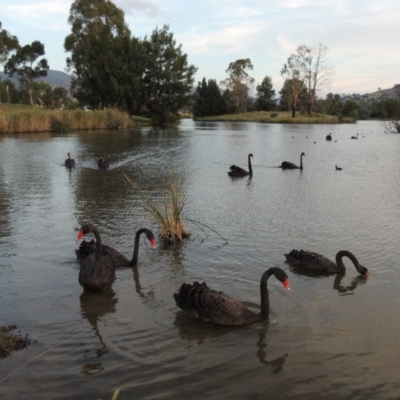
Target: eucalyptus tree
column 239, row 83
column 103, row 57
column 208, row 99
column 318, row 71
column 168, row 77
column 265, row 99
column 8, row 44
column 293, row 73
column 286, row 96
column 25, row 64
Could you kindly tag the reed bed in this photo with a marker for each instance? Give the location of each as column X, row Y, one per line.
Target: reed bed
column 167, row 207
column 278, row 117
column 25, row 120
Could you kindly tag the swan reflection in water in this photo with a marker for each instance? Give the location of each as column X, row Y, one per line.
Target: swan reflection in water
column 277, row 364
column 199, row 332
column 93, row 307
column 348, row 290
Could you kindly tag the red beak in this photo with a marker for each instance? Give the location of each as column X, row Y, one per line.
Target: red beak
column 80, row 235
column 286, row 284
column 153, row 243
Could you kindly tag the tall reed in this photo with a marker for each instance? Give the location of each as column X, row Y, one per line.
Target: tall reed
column 24, row 120
column 167, row 208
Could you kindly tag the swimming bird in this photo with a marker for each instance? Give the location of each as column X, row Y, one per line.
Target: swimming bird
column 290, row 165
column 308, row 260
column 206, row 304
column 103, row 163
column 96, row 272
column 236, row 171
column 117, row 259
column 69, row 162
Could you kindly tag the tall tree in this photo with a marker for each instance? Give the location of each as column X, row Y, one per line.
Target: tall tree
column 103, row 56
column 168, row 77
column 265, row 100
column 239, row 83
column 8, row 43
column 293, row 73
column 286, row 96
column 25, row 64
column 208, row 99
column 317, row 72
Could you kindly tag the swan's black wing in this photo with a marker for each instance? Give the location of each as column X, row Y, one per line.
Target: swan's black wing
column 311, row 261
column 96, row 273
column 116, row 259
column 235, row 170
column 238, row 169
column 201, row 302
column 288, row 165
column 70, row 163
column 85, row 249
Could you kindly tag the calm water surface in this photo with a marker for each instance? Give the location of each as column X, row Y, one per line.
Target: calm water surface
column 328, row 338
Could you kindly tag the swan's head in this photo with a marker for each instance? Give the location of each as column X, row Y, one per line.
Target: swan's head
column 251, row 155
column 304, row 154
column 363, row 270
column 83, row 231
column 281, row 275
column 151, row 238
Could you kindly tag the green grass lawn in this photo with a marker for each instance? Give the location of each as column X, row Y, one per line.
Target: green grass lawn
column 281, row 117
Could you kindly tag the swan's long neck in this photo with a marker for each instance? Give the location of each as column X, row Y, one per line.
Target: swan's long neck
column 136, row 247
column 264, row 312
column 339, row 260
column 250, row 167
column 96, row 234
column 301, row 161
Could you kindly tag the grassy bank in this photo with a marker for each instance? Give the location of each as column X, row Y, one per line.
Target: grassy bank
column 278, row 118
column 24, row 119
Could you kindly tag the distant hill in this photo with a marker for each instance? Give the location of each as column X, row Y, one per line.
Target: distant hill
column 53, row 78
column 385, row 93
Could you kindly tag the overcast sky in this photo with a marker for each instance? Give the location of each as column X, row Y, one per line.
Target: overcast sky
column 363, row 36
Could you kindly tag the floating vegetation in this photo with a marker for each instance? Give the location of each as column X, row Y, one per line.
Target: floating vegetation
column 10, row 342
column 167, row 207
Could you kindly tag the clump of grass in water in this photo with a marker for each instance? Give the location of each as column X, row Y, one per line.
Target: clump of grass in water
column 168, row 212
column 10, row 342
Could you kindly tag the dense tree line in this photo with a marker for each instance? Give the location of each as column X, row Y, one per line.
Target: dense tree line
column 152, row 76
column 111, row 68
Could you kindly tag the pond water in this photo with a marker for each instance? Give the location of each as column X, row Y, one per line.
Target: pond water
column 329, row 337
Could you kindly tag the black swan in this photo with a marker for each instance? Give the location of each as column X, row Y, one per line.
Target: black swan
column 236, row 171
column 97, row 272
column 317, row 262
column 289, row 165
column 69, row 162
column 206, row 304
column 338, row 168
column 103, row 163
column 117, row 259
column 329, row 137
